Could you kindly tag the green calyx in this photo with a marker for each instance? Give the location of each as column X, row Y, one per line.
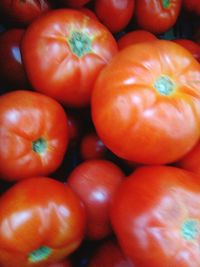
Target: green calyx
column 39, row 145
column 39, row 255
column 166, row 3
column 190, row 229
column 164, row 85
column 79, row 43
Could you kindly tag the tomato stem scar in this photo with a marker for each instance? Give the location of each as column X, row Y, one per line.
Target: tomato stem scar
column 190, row 229
column 40, row 254
column 79, row 43
column 164, row 85
column 166, row 3
column 39, row 145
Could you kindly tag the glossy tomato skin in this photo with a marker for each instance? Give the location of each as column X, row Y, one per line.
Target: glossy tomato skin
column 192, row 6
column 23, row 12
column 157, row 16
column 134, row 37
column 150, row 90
column 95, row 182
column 45, row 221
column 191, row 46
column 33, row 134
column 12, row 72
column 70, row 49
column 109, row 254
column 155, row 215
column 115, row 14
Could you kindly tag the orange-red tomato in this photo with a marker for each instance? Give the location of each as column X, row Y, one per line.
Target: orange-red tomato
column 115, row 15
column 63, row 52
column 156, row 217
column 157, row 16
column 41, row 222
column 134, row 37
column 146, row 103
column 95, row 182
column 33, row 135
column 191, row 46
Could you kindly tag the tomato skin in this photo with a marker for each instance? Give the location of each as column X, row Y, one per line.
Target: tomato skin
column 23, row 12
column 39, row 212
column 135, row 37
column 123, row 10
column 147, row 123
column 155, row 213
column 95, row 182
column 153, row 16
column 50, row 48
column 88, row 12
column 192, row 6
column 191, row 46
column 109, row 254
column 30, row 144
column 12, row 72
column 64, row 263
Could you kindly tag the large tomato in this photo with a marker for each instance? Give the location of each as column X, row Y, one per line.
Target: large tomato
column 157, row 16
column 95, row 182
column 146, row 103
column 33, row 134
column 12, row 72
column 63, row 52
column 156, row 217
column 23, row 12
column 41, row 221
column 115, row 14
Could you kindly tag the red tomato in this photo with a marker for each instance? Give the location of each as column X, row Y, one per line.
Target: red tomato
column 191, row 46
column 75, row 3
column 73, row 128
column 23, row 11
column 63, row 263
column 70, row 49
column 156, row 217
column 157, row 16
column 11, row 68
column 41, row 221
column 150, row 90
column 88, row 12
column 109, row 254
column 191, row 161
column 95, row 182
column 33, row 135
column 134, row 37
column 91, row 147
column 192, row 6
column 114, row 14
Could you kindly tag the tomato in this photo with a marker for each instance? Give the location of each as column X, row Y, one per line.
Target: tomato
column 12, row 72
column 192, row 6
column 75, row 3
column 88, row 12
column 115, row 14
column 109, row 254
column 157, row 16
column 63, row 263
column 70, row 49
column 41, row 221
column 150, row 90
column 95, row 182
column 33, row 135
column 193, row 47
column 134, row 37
column 23, row 12
column 91, row 147
column 155, row 215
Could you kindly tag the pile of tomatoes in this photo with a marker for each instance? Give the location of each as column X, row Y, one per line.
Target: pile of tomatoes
column 100, row 133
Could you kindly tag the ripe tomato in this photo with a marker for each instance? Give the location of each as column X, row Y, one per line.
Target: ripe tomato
column 33, row 135
column 63, row 263
column 41, row 221
column 157, row 16
column 109, row 254
column 23, row 12
column 150, row 90
column 134, row 37
column 88, row 12
column 91, row 147
column 12, row 72
column 114, row 14
column 192, row 6
column 191, row 46
column 156, row 217
column 70, row 49
column 95, row 182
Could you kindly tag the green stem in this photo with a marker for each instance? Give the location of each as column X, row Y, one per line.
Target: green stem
column 79, row 43
column 40, row 254
column 39, row 145
column 166, row 3
column 164, row 85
